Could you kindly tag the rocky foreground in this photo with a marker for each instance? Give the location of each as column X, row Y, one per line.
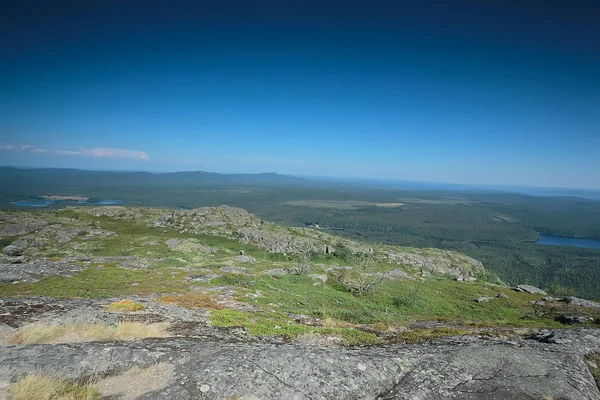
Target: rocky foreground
column 550, row 366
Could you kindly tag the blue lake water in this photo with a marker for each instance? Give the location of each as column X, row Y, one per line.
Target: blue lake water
column 45, row 203
column 31, row 203
column 568, row 241
column 106, row 202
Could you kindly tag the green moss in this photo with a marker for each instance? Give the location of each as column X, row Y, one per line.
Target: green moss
column 273, row 324
column 107, row 281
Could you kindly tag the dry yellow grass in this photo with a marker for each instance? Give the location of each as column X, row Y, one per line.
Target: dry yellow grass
column 37, row 333
column 43, row 387
column 125, row 306
column 193, row 300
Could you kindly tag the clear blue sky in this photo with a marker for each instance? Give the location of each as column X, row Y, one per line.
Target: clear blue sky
column 450, row 91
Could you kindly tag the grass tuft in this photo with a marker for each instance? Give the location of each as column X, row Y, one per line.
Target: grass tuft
column 593, row 361
column 37, row 333
column 42, row 387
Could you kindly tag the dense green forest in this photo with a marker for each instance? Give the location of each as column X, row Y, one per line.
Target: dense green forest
column 497, row 228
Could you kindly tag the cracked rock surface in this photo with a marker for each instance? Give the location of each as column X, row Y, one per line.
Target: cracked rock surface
column 550, row 365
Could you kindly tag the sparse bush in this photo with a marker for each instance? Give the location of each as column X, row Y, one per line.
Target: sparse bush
column 193, row 300
column 357, row 281
column 42, row 387
column 411, row 298
column 125, row 306
column 303, row 267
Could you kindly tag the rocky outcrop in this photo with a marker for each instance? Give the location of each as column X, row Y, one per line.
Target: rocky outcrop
column 222, row 219
column 32, row 271
column 281, row 242
column 440, row 263
column 16, row 225
column 189, row 246
column 576, row 301
column 117, row 212
column 547, row 366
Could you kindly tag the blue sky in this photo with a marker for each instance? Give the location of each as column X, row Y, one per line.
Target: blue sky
column 448, row 91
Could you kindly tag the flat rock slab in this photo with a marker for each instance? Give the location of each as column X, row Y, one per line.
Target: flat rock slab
column 454, row 368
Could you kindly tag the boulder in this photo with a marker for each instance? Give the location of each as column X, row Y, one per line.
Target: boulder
column 502, row 296
column 550, row 298
column 574, row 319
column 12, row 251
column 576, row 301
column 484, row 299
column 530, row 289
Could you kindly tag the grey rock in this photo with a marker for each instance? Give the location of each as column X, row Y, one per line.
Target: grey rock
column 576, row 301
column 530, row 289
column 484, row 299
column 398, row 274
column 440, row 262
column 17, row 227
column 276, row 272
column 32, row 271
column 453, row 369
column 574, row 319
column 321, row 277
column 550, row 298
column 502, row 296
column 12, row 251
column 189, row 246
column 243, row 259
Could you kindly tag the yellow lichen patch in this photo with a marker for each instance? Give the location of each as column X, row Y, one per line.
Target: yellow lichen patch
column 193, row 300
column 125, row 306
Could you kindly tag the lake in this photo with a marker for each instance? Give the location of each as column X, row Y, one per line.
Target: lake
column 45, row 203
column 568, row 241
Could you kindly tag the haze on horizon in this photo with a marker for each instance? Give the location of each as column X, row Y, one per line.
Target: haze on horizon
column 448, row 91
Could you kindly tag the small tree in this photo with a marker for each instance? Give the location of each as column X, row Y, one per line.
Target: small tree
column 303, row 267
column 358, row 280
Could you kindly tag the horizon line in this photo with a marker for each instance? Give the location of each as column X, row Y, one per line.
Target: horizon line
column 330, row 177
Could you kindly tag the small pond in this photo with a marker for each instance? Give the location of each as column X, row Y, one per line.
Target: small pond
column 588, row 243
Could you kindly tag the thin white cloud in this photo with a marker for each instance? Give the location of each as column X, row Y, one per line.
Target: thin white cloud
column 105, row 153
column 67, row 153
column 32, row 149
column 9, row 147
